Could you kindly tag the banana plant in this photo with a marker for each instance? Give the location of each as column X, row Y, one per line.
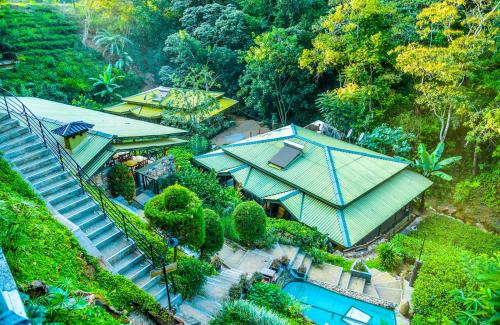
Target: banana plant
column 430, row 165
column 107, row 82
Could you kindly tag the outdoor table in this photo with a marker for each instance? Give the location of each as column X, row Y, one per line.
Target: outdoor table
column 268, row 273
column 131, row 163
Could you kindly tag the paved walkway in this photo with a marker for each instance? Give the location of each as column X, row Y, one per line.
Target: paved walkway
column 243, row 129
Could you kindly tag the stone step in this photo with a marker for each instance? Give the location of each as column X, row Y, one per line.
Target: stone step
column 50, row 179
column 99, row 227
column 18, row 142
column 72, row 203
column 187, row 309
column 57, row 187
column 118, row 244
column 88, row 220
column 370, row 290
column 107, row 238
column 7, row 125
column 42, row 172
column 129, row 261
column 356, row 284
column 13, row 133
column 67, row 193
column 209, row 306
column 392, row 295
column 391, row 284
column 82, row 211
column 344, row 280
column 12, row 153
column 121, row 253
column 37, row 165
column 30, row 157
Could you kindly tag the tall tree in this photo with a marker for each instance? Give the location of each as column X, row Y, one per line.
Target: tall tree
column 272, row 81
column 455, row 36
column 353, row 44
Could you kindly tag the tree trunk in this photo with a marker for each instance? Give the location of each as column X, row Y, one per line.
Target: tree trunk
column 474, row 160
column 421, row 207
column 175, row 254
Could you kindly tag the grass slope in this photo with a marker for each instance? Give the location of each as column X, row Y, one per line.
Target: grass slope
column 37, row 247
column 450, row 247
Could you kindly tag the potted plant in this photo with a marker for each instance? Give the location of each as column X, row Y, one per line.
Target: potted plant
column 360, row 270
column 284, row 260
column 217, row 262
column 275, row 265
column 302, row 270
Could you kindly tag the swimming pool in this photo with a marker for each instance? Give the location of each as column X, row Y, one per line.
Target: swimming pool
column 328, row 307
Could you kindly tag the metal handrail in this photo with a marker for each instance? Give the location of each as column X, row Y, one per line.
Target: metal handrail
column 16, row 109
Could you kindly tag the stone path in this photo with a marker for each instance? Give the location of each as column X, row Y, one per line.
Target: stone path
column 243, row 129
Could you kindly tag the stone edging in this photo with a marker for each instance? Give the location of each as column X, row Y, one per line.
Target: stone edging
column 352, row 294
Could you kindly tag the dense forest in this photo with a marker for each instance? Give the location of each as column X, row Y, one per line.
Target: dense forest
column 397, row 73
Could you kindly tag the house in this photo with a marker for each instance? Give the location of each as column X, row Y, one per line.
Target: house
column 93, row 137
column 349, row 193
column 150, row 105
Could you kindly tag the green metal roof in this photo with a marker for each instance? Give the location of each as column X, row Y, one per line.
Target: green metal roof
column 94, row 165
column 218, row 161
column 343, row 190
column 331, row 170
column 371, row 210
column 118, row 126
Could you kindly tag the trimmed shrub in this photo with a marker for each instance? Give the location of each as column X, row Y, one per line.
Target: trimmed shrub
column 178, row 211
column 191, row 275
column 294, row 233
column 214, row 234
column 250, row 222
column 245, row 312
column 122, row 182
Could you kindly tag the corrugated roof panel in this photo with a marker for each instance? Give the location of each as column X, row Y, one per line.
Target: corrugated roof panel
column 262, row 185
column 218, row 161
column 94, row 165
column 371, row 210
column 322, row 216
column 293, row 204
column 240, row 175
column 360, row 175
column 317, row 181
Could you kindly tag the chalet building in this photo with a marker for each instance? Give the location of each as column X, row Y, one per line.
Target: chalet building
column 150, row 105
column 94, row 138
column 349, row 193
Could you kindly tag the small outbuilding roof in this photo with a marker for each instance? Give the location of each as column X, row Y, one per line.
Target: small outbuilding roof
column 72, row 128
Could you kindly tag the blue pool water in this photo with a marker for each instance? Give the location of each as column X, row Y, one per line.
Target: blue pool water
column 327, row 307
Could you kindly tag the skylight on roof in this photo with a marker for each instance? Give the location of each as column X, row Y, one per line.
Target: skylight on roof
column 287, row 154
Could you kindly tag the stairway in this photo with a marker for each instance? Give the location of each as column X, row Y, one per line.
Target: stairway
column 382, row 285
column 201, row 309
column 62, row 192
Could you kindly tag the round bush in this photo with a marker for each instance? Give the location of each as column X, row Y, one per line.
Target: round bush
column 185, row 220
column 214, row 233
column 250, row 222
column 389, row 257
column 122, row 182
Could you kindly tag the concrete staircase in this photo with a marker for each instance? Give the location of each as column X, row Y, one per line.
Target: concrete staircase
column 201, row 309
column 382, row 285
column 61, row 191
column 301, row 259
